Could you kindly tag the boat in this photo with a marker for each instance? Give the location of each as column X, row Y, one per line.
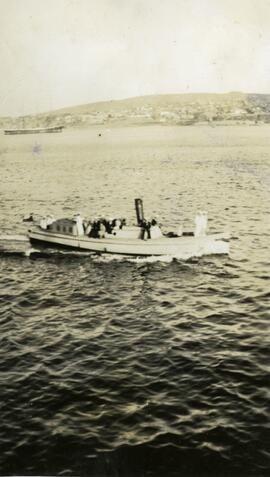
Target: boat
column 143, row 239
column 52, row 129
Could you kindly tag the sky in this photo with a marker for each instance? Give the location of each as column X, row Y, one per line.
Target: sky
column 58, row 53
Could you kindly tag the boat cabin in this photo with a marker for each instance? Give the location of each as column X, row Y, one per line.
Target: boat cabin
column 63, row 226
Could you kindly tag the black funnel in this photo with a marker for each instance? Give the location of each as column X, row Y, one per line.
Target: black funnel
column 139, row 210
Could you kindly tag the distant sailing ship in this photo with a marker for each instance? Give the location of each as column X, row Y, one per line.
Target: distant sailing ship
column 52, row 129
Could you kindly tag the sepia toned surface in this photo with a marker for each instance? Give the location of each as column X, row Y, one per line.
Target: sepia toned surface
column 70, row 52
column 136, row 366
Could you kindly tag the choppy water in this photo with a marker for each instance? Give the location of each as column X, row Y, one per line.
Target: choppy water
column 136, row 367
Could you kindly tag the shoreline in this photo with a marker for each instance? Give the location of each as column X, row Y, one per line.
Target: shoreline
column 126, row 125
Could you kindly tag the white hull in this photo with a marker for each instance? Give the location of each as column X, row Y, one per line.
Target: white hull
column 185, row 245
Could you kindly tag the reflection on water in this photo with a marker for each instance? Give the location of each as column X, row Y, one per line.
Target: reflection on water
column 118, row 367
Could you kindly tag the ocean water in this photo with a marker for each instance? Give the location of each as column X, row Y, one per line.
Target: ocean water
column 136, row 367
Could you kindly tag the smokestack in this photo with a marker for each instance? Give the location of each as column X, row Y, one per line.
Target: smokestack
column 139, row 210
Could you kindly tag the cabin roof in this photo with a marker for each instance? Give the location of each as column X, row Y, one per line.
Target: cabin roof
column 64, row 222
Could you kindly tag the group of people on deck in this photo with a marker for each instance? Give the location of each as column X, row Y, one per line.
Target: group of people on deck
column 98, row 228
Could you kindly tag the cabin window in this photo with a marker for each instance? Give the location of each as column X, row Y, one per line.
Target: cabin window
column 58, row 228
column 64, row 229
column 70, row 230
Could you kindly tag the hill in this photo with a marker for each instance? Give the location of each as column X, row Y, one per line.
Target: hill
column 182, row 109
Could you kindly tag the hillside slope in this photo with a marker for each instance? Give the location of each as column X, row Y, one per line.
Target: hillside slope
column 182, row 109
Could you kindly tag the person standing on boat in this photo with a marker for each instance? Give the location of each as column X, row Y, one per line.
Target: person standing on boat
column 200, row 224
column 145, row 226
column 43, row 223
column 88, row 228
column 79, row 223
column 155, row 229
column 94, row 229
column 102, row 230
column 204, row 222
column 117, row 226
column 109, row 226
column 49, row 220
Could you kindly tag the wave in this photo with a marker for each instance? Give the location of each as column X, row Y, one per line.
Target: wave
column 13, row 238
column 11, row 248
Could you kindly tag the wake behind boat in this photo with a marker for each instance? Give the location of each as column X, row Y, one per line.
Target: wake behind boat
column 115, row 237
